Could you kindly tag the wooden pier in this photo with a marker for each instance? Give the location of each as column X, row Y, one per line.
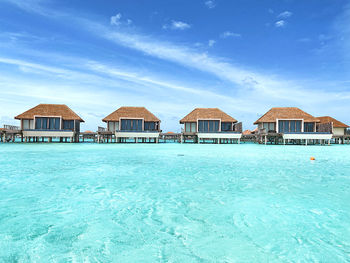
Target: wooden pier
column 170, row 137
column 9, row 133
column 88, row 135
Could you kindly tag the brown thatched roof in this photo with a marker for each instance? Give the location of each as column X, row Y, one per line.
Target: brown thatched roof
column 131, row 112
column 286, row 113
column 207, row 113
column 50, row 110
column 336, row 123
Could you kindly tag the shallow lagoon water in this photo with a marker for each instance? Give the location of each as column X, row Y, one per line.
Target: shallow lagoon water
column 174, row 203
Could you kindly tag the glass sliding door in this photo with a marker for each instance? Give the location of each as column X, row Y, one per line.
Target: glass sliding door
column 298, row 126
column 38, row 125
column 68, row 125
column 123, row 125
column 216, row 126
column 150, row 126
column 45, row 123
column 201, row 126
column 309, row 127
column 138, row 125
column 131, row 125
column 54, row 123
column 208, row 126
column 291, row 126
column 51, row 124
column 226, row 126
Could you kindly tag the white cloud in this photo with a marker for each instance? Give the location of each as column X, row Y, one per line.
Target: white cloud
column 54, row 84
column 115, row 20
column 177, row 25
column 210, row 4
column 228, row 34
column 270, row 87
column 211, row 42
column 270, row 10
column 250, row 89
column 285, row 14
column 262, row 84
column 280, row 23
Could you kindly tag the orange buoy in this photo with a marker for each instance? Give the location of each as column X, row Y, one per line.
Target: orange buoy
column 312, row 158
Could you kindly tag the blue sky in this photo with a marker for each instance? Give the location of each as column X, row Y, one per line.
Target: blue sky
column 242, row 56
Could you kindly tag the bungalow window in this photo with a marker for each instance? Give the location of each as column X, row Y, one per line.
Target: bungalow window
column 68, row 125
column 289, row 126
column 226, row 126
column 111, row 126
column 44, row 123
column 269, row 126
column 38, row 125
column 309, row 127
column 54, row 123
column 150, row 126
column 26, row 125
column 131, row 125
column 193, row 127
column 190, row 127
column 208, row 126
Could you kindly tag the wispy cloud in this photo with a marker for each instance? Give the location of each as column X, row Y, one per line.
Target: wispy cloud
column 101, row 77
column 211, row 42
column 117, row 20
column 228, row 34
column 285, row 14
column 210, row 4
column 282, row 19
column 177, row 25
column 246, row 89
column 264, row 84
column 280, row 23
column 33, row 6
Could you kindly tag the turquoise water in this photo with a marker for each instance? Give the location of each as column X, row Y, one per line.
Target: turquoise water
column 174, row 203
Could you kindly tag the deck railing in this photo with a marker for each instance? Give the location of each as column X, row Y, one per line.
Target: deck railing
column 11, row 127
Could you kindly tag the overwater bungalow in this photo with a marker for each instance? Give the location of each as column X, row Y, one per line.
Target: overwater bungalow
column 340, row 131
column 210, row 125
column 291, row 124
column 48, row 121
column 338, row 128
column 135, row 123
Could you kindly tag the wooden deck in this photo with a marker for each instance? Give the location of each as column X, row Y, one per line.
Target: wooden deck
column 9, row 133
